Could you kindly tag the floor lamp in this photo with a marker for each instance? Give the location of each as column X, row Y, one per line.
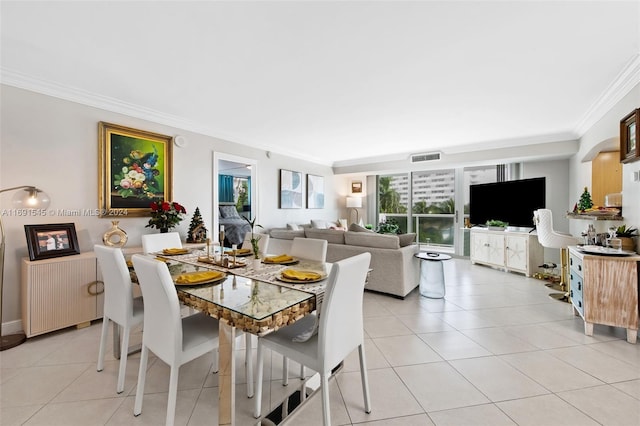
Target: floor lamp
column 354, row 203
column 29, row 197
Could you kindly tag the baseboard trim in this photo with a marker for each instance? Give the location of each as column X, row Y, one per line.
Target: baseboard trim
column 12, row 327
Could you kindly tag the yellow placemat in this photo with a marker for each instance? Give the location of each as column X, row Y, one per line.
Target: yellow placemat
column 292, row 274
column 199, row 277
column 278, row 259
column 175, row 251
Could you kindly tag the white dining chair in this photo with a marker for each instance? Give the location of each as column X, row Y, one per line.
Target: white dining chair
column 310, row 249
column 173, row 339
column 156, row 242
column 263, row 242
column 120, row 306
column 340, row 332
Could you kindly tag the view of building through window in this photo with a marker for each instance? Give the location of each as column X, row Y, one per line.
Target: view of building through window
column 425, row 201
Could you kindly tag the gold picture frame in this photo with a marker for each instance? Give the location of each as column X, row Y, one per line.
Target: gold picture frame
column 134, row 169
column 629, row 142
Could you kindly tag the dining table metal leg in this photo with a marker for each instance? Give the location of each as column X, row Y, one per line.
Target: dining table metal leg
column 226, row 375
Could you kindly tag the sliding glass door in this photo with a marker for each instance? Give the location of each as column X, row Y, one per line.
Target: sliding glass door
column 432, row 203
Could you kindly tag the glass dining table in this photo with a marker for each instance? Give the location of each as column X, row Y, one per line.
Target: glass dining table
column 253, row 300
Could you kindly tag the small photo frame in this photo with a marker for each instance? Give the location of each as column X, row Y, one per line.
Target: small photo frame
column 629, row 142
column 315, row 192
column 53, row 240
column 356, row 186
column 290, row 189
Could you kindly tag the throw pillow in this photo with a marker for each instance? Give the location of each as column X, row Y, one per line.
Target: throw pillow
column 343, row 223
column 319, row 224
column 229, row 212
column 407, row 239
column 293, row 227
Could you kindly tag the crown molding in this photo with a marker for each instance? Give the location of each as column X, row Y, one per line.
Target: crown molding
column 73, row 94
column 83, row 97
column 626, row 80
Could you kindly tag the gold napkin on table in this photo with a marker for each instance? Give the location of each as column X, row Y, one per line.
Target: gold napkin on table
column 292, row 274
column 241, row 251
column 175, row 251
column 278, row 259
column 198, row 277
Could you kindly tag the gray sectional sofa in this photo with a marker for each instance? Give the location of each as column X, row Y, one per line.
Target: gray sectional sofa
column 395, row 270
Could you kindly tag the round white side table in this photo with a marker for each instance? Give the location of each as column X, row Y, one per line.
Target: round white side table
column 432, row 274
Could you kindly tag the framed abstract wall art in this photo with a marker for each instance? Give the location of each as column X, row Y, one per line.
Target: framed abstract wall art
column 315, row 192
column 134, row 170
column 290, row 189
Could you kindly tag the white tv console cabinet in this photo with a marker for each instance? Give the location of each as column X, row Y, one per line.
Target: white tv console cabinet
column 517, row 251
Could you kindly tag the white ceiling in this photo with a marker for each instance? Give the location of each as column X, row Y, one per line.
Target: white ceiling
column 334, row 82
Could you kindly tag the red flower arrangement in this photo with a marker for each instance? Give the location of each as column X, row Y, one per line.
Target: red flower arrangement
column 165, row 215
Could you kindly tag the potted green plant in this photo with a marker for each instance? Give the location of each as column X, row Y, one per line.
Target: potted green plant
column 388, row 227
column 254, row 237
column 497, row 225
column 627, row 236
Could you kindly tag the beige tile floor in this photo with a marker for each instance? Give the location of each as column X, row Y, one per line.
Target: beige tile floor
column 495, row 351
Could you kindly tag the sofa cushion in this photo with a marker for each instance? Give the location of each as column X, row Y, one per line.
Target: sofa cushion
column 229, row 212
column 286, row 234
column 319, row 224
column 371, row 239
column 332, row 236
column 357, row 228
column 406, row 239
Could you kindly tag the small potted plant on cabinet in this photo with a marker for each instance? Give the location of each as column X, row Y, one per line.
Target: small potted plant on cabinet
column 627, row 236
column 497, row 225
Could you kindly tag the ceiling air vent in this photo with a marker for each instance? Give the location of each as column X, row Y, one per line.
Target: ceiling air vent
column 429, row 156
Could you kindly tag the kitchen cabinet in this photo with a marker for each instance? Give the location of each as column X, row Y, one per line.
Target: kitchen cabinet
column 604, row 290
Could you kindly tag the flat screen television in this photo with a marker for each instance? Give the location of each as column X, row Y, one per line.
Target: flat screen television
column 512, row 201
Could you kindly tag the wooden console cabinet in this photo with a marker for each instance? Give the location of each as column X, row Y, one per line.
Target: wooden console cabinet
column 60, row 292
column 604, row 290
column 508, row 250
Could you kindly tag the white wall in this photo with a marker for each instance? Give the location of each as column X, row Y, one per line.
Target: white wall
column 53, row 144
column 605, row 136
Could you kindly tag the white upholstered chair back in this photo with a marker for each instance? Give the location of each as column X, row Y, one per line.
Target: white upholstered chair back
column 156, row 242
column 119, row 304
column 309, row 248
column 173, row 339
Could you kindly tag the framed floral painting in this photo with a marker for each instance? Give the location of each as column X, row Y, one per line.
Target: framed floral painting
column 134, row 170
